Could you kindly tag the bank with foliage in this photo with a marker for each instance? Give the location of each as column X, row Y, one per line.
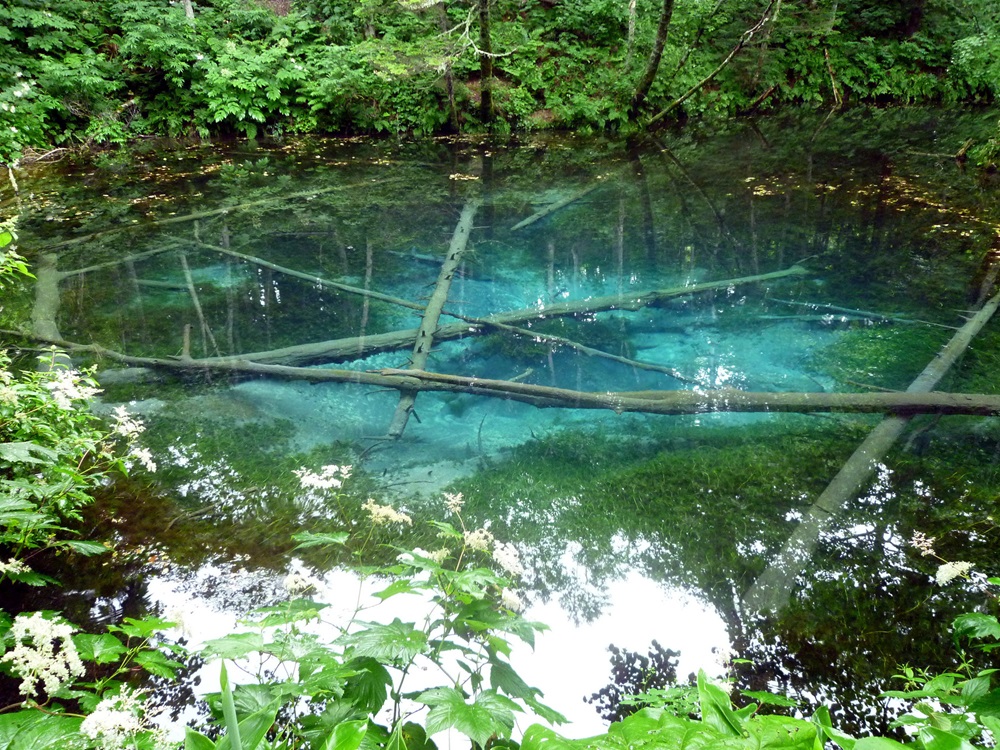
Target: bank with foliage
column 88, row 72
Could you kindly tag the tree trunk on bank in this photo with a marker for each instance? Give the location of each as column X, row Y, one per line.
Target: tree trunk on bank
column 485, row 64
column 773, row 588
column 653, row 64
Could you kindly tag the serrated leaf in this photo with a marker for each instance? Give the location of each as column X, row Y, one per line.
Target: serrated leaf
column 84, row 548
column 771, row 699
column 27, row 453
column 308, row 539
column 346, row 736
column 402, row 586
column 100, row 649
column 157, row 664
column 234, row 646
column 489, row 714
column 987, row 705
column 396, row 642
column 33, row 730
column 977, row 625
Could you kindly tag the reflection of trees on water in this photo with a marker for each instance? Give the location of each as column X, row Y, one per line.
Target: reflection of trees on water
column 867, row 603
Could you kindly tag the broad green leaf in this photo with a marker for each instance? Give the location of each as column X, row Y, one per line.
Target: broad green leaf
column 252, row 730
column 84, row 548
column 489, row 714
column 538, row 737
column 346, row 736
column 396, row 642
column 156, row 663
column 878, row 743
column 822, row 720
column 196, row 740
column 307, row 539
column 937, row 739
column 987, row 705
column 975, row 688
column 6, row 238
column 27, row 453
column 34, row 730
column 771, row 699
column 402, row 586
column 141, row 628
column 977, row 625
column 782, row 732
column 503, row 677
column 234, row 646
column 716, row 708
column 100, row 649
column 296, row 610
column 368, row 687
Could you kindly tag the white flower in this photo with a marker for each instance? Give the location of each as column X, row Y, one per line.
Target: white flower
column 143, row 456
column 297, row 583
column 127, row 425
column 13, row 565
column 117, row 722
column 454, row 502
column 67, row 387
column 382, row 514
column 922, row 542
column 8, row 396
column 330, row 477
column 438, row 556
column 506, row 556
column 480, row 539
column 43, row 652
column 511, row 601
column 951, row 570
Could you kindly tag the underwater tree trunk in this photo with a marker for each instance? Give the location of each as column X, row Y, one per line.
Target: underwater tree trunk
column 773, row 588
column 553, row 207
column 653, row 64
column 356, row 347
column 424, row 340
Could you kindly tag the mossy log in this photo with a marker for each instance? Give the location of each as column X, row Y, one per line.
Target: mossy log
column 772, row 590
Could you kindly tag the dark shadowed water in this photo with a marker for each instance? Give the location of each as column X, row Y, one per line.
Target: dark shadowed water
column 633, row 527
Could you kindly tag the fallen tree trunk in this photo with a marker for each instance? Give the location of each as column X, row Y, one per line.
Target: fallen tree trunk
column 357, row 347
column 552, row 208
column 649, row 402
column 424, row 340
column 773, row 588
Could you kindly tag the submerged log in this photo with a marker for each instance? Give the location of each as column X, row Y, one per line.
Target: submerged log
column 424, row 340
column 559, row 204
column 357, row 347
column 648, row 402
column 772, row 590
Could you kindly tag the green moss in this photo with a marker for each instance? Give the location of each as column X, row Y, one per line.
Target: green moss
column 885, row 357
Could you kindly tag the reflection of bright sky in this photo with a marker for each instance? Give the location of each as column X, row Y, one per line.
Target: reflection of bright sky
column 569, row 661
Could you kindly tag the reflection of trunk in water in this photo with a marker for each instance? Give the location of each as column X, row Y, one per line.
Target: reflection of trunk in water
column 772, row 590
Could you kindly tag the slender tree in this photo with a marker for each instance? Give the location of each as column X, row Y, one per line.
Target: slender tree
column 653, row 64
column 485, row 64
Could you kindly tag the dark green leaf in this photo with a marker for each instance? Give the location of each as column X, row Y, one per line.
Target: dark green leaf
column 309, row 539
column 396, row 642
column 977, row 625
column 346, row 736
column 100, row 649
column 234, row 646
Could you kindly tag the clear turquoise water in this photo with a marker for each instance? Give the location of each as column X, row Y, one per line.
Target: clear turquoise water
column 635, row 527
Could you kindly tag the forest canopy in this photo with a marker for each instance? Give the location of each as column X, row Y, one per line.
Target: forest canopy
column 105, row 72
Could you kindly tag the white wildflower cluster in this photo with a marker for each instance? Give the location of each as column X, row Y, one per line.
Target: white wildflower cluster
column 923, row 543
column 143, row 456
column 118, row 721
column 68, row 386
column 43, row 653
column 951, row 570
column 8, row 396
column 438, row 555
column 127, row 425
column 297, row 583
column 454, row 502
column 13, row 566
column 479, row 540
column 507, row 557
column 383, row 514
column 331, row 477
column 511, row 600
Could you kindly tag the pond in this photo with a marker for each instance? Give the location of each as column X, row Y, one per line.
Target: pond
column 805, row 254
